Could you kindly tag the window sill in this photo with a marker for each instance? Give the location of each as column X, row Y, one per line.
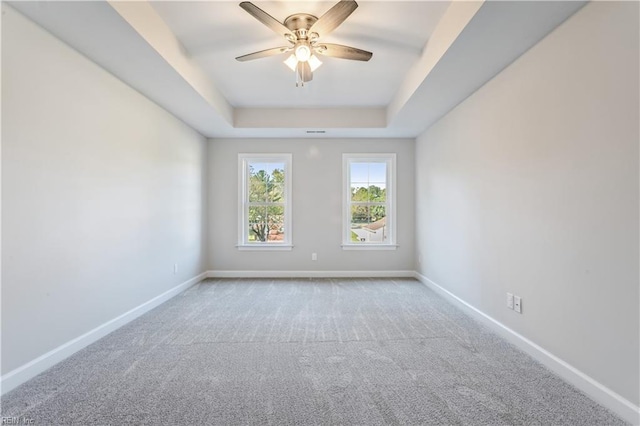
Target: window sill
column 369, row 246
column 264, row 247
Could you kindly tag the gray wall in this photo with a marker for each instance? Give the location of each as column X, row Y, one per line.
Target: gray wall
column 102, row 192
column 530, row 186
column 317, row 206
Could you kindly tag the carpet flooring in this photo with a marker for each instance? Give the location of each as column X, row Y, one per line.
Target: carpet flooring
column 303, row 352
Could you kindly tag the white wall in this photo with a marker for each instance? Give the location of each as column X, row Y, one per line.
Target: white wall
column 317, row 206
column 531, row 186
column 102, row 192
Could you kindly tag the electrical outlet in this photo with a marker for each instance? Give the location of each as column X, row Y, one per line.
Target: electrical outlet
column 509, row 300
column 517, row 304
column 314, row 256
column 175, row 268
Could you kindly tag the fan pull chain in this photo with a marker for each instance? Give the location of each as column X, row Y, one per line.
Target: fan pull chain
column 298, row 82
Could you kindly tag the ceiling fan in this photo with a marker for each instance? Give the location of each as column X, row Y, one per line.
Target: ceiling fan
column 302, row 31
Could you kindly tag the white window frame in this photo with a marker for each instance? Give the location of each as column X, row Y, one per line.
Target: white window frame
column 243, row 202
column 390, row 160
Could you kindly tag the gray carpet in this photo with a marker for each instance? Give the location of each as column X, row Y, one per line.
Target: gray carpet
column 303, row 352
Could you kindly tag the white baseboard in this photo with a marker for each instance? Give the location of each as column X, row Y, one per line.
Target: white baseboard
column 31, row 369
column 310, row 274
column 597, row 391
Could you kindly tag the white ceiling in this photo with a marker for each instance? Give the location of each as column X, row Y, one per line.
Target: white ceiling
column 428, row 56
column 215, row 33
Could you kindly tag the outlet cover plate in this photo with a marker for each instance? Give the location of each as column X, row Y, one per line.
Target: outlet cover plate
column 517, row 304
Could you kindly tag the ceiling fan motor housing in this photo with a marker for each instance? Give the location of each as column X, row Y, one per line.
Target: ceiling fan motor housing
column 300, row 21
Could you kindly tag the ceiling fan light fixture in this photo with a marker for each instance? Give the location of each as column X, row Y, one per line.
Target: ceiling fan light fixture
column 314, row 63
column 302, row 52
column 292, row 62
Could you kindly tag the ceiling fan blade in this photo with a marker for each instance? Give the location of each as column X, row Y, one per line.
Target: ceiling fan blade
column 263, row 53
column 344, row 52
column 304, row 71
column 334, row 17
column 265, row 18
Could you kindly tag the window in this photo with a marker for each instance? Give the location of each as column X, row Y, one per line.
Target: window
column 369, row 201
column 265, row 201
